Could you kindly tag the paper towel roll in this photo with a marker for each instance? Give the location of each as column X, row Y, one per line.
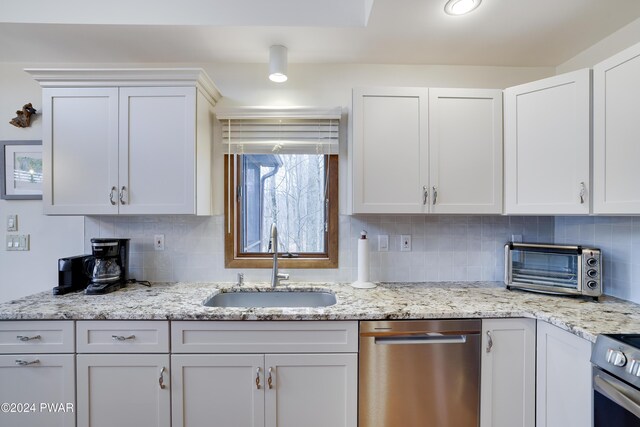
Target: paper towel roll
column 363, row 263
column 363, row 260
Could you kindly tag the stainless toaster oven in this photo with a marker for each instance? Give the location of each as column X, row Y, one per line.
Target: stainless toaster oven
column 554, row 269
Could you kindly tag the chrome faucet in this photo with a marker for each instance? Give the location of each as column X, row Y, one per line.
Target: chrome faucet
column 273, row 248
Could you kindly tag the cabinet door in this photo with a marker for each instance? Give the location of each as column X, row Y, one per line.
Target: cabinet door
column 157, row 150
column 546, row 146
column 80, row 150
column 616, row 102
column 42, row 387
column 311, row 390
column 564, row 397
column 390, row 156
column 465, row 143
column 124, row 390
column 507, row 397
column 218, row 390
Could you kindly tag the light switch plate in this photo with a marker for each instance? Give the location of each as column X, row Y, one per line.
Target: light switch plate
column 12, row 222
column 383, row 242
column 18, row 242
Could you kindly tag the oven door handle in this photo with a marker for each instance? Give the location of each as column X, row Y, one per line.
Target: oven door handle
column 613, row 392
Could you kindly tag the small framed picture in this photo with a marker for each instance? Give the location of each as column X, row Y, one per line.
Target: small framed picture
column 21, row 170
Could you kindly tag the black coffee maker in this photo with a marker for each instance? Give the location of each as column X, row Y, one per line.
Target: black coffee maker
column 107, row 266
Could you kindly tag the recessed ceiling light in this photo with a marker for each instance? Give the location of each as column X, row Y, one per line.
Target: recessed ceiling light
column 461, row 7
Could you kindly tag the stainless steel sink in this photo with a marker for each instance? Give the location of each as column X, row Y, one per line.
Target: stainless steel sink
column 286, row 298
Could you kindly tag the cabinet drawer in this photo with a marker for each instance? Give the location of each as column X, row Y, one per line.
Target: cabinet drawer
column 126, row 336
column 46, row 336
column 264, row 337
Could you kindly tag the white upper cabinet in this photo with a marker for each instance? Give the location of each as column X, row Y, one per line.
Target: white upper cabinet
column 127, row 141
column 616, row 133
column 390, row 153
column 83, row 168
column 419, row 150
column 465, row 144
column 547, row 143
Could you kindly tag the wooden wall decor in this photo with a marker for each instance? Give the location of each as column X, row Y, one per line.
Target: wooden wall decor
column 23, row 118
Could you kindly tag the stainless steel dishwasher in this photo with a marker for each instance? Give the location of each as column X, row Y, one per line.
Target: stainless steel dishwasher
column 419, row 373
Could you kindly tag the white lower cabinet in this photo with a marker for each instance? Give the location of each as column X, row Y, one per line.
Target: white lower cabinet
column 311, row 390
column 229, row 387
column 120, row 382
column 313, row 382
column 564, row 393
column 123, row 390
column 37, row 374
column 39, row 390
column 508, row 386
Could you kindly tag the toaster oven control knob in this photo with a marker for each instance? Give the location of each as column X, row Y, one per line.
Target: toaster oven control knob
column 634, row 367
column 616, row 357
column 592, row 262
column 592, row 273
column 592, row 284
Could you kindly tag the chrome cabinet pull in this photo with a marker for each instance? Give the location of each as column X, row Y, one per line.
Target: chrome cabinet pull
column 113, row 202
column 489, row 341
column 161, row 379
column 23, row 338
column 258, row 378
column 583, row 190
column 270, row 379
column 425, row 194
column 122, row 337
column 435, row 194
column 123, row 191
column 25, row 363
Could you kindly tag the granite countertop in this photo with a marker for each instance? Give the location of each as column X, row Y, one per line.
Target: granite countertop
column 431, row 300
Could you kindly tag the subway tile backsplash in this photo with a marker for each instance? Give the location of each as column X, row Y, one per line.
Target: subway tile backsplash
column 444, row 247
column 619, row 240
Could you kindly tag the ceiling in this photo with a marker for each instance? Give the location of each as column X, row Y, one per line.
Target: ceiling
column 500, row 32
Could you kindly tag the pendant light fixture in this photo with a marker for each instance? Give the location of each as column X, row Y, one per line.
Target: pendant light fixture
column 461, row 7
column 278, row 63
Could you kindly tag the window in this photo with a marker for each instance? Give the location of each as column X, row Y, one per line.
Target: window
column 297, row 192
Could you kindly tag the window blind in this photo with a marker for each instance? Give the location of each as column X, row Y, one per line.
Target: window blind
column 286, row 133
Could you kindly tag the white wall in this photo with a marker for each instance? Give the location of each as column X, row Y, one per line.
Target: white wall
column 625, row 37
column 23, row 273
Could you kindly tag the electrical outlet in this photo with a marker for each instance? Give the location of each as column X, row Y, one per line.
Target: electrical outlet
column 158, row 242
column 12, row 222
column 405, row 243
column 383, row 242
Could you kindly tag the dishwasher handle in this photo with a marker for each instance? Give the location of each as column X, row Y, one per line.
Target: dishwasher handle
column 430, row 338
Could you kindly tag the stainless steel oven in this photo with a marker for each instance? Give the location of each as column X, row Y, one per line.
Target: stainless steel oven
column 555, row 269
column 616, row 381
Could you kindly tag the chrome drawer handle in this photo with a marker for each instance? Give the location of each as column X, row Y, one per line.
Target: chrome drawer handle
column 435, row 194
column 113, row 202
column 489, row 342
column 583, row 190
column 161, row 379
column 25, row 363
column 123, row 191
column 425, row 194
column 270, row 379
column 123, row 338
column 258, row 378
column 23, row 338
